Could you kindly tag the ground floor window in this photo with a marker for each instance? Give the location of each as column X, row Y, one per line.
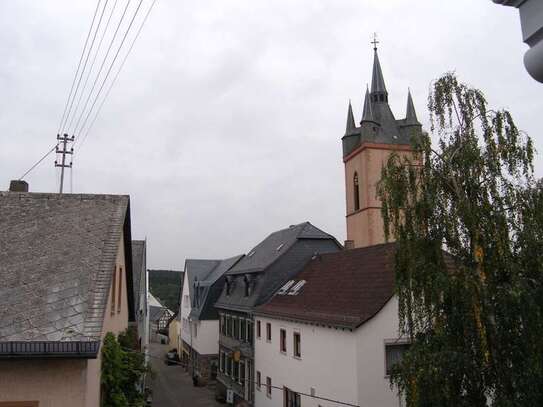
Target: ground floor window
column 268, row 387
column 291, row 398
column 235, row 375
column 242, row 373
column 393, row 354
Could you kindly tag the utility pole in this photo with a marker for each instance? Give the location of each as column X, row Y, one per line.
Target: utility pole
column 64, row 140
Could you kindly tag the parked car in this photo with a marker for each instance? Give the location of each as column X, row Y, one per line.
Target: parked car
column 172, row 358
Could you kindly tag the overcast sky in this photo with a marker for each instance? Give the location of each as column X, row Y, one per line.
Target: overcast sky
column 225, row 123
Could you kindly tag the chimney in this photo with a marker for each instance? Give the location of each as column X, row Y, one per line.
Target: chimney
column 18, row 186
column 349, row 244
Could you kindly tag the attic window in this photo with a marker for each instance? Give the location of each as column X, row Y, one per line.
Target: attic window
column 297, row 287
column 280, row 246
column 247, row 286
column 228, row 286
column 283, row 290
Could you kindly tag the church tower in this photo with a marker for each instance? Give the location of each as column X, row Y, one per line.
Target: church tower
column 366, row 149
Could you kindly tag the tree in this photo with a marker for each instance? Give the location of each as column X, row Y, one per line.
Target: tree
column 468, row 220
column 122, row 371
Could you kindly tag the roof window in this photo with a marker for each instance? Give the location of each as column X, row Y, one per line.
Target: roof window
column 297, row 287
column 280, row 246
column 283, row 290
column 251, row 253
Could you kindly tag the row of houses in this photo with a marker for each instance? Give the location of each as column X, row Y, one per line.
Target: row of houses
column 301, row 319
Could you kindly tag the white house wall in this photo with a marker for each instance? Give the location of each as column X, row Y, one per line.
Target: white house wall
column 185, row 310
column 373, row 383
column 206, row 340
column 327, row 364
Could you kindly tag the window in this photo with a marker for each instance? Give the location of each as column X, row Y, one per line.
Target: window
column 297, row 345
column 113, row 291
column 268, row 332
column 229, row 366
column 258, row 380
column 243, row 330
column 120, row 289
column 297, row 287
column 228, row 286
column 186, row 301
column 221, row 324
column 242, row 373
column 258, row 329
column 394, row 353
column 292, row 399
column 356, row 192
column 268, row 386
column 221, row 361
column 235, row 374
column 249, row 332
column 236, row 328
column 228, row 325
column 195, row 330
column 283, row 341
column 247, row 285
column 283, row 290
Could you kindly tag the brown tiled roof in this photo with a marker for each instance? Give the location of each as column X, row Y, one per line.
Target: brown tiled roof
column 344, row 289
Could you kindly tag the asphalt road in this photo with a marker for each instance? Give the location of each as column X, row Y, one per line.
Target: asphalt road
column 172, row 386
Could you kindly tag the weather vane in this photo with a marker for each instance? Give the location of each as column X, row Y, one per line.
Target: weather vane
column 375, row 42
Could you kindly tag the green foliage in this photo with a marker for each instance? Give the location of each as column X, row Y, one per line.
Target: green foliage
column 165, row 285
column 122, row 372
column 468, row 219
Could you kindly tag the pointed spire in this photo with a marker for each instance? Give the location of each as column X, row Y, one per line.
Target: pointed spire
column 350, row 120
column 411, row 115
column 377, row 80
column 367, row 112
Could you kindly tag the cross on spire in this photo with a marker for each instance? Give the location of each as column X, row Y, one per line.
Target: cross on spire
column 375, row 41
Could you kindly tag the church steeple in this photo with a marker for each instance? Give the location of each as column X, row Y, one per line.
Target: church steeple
column 378, row 89
column 367, row 112
column 411, row 114
column 350, row 120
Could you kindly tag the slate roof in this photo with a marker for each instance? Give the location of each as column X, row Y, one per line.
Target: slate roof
column 57, row 257
column 343, row 289
column 270, row 263
column 139, row 269
column 155, row 313
column 207, row 286
column 378, row 124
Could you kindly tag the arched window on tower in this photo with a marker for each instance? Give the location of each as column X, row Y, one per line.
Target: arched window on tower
column 356, row 191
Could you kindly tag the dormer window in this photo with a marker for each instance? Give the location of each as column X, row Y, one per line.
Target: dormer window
column 356, row 192
column 228, row 285
column 247, row 285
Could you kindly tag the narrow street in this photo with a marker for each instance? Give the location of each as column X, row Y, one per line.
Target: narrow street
column 172, row 386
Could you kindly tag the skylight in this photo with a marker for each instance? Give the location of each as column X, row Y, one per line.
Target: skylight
column 283, row 290
column 297, row 287
column 280, row 246
column 251, row 254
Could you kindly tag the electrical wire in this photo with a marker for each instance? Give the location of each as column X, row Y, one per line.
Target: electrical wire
column 78, row 66
column 84, row 67
column 101, row 68
column 111, row 66
column 116, row 76
column 249, row 381
column 38, row 162
column 92, row 65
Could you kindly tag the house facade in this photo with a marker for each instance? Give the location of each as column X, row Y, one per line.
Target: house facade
column 199, row 336
column 141, row 284
column 66, row 269
column 250, row 283
column 332, row 337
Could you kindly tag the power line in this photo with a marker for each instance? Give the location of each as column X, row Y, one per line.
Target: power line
column 84, row 66
column 92, row 64
column 111, row 66
column 78, row 66
column 39, row 161
column 116, row 75
column 101, row 67
column 251, row 381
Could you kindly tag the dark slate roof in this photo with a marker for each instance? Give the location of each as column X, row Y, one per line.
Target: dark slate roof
column 378, row 124
column 270, row 249
column 271, row 265
column 207, row 289
column 57, row 257
column 139, row 268
column 343, row 289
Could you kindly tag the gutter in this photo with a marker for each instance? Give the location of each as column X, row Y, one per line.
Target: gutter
column 49, row 349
